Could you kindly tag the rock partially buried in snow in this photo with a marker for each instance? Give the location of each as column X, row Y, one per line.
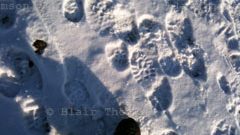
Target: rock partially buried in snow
column 73, row 10
column 40, row 45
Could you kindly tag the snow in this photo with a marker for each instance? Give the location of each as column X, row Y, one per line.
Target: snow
column 173, row 66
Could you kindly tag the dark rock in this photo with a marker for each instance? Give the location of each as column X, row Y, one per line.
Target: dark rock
column 40, row 46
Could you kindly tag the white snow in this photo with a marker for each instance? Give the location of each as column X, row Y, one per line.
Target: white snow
column 173, row 66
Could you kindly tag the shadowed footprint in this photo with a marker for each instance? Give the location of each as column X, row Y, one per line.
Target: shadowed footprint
column 206, row 9
column 73, row 10
column 87, row 94
column 223, row 83
column 125, row 26
column 155, row 44
column 237, row 20
column 24, row 84
column 117, row 55
column 161, row 98
column 34, row 114
column 7, row 14
column 99, row 15
column 194, row 65
column 107, row 17
column 233, row 44
column 143, row 68
column 20, row 72
column 227, row 31
column 170, row 66
column 232, row 8
column 148, row 24
column 235, row 61
column 177, row 4
column 221, row 128
column 191, row 56
column 9, row 88
column 77, row 93
column 180, row 31
column 152, row 41
column 237, row 116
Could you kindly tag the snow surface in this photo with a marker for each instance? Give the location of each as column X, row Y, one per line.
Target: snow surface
column 172, row 65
